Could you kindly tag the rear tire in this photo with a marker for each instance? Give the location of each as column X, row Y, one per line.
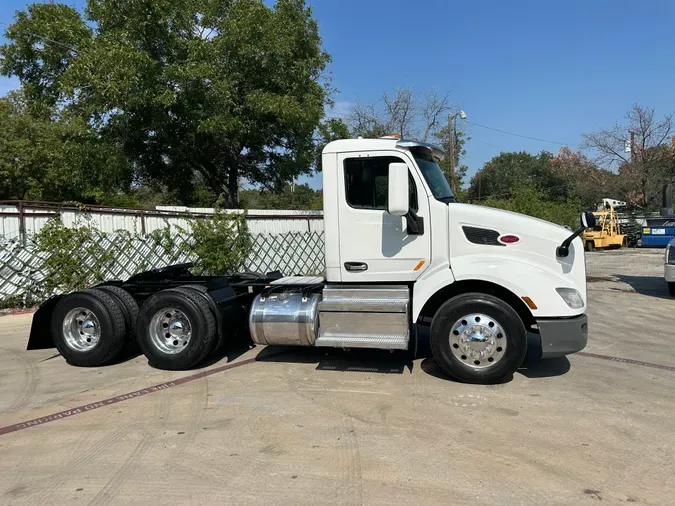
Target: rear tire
column 671, row 288
column 176, row 329
column 88, row 328
column 198, row 288
column 129, row 307
column 221, row 340
column 205, row 306
column 478, row 338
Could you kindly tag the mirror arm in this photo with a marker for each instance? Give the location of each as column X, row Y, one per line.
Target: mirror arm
column 564, row 249
column 414, row 223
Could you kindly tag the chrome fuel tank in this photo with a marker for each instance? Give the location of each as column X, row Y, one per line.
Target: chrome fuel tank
column 287, row 318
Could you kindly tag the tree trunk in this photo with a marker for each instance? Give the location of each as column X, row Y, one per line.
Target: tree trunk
column 232, row 189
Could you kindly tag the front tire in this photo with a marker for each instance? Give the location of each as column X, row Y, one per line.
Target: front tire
column 478, row 338
column 671, row 288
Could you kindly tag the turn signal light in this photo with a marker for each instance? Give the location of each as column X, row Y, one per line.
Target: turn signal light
column 530, row 303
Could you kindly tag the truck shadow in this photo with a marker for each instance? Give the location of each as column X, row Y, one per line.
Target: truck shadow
column 653, row 286
column 386, row 362
column 335, row 359
column 536, row 368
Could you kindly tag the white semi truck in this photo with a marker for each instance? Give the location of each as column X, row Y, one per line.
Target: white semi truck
column 401, row 254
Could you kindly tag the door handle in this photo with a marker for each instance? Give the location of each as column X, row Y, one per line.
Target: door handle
column 356, row 266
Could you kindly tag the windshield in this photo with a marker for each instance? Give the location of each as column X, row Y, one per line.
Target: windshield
column 433, row 175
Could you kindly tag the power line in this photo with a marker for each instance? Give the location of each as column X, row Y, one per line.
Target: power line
column 486, row 143
column 517, row 135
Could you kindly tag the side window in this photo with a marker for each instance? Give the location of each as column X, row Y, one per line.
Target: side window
column 367, row 179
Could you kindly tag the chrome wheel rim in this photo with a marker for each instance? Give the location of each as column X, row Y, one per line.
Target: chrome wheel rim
column 81, row 329
column 478, row 340
column 170, row 330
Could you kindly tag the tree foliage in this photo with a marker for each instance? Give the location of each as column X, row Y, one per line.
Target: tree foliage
column 507, row 171
column 194, row 94
column 74, row 257
column 43, row 158
column 220, row 244
column 584, row 180
column 297, row 196
column 528, row 199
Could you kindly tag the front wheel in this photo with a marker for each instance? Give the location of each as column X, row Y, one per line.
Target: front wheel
column 671, row 288
column 478, row 338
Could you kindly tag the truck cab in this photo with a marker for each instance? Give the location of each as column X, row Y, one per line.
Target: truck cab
column 401, row 254
column 391, row 219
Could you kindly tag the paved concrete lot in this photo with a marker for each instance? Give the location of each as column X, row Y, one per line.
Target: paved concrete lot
column 302, row 428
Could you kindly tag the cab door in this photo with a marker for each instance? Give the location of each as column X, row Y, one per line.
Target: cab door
column 374, row 245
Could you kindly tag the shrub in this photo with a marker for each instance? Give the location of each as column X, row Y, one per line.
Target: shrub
column 221, row 243
column 73, row 258
column 77, row 257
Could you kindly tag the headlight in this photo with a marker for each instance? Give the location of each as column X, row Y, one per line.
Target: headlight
column 571, row 297
column 670, row 254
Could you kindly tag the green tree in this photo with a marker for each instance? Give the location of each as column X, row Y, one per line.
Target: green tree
column 194, row 92
column 507, row 171
column 585, row 180
column 298, row 196
column 44, row 157
column 527, row 199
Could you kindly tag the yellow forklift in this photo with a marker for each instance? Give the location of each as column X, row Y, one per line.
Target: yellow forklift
column 607, row 232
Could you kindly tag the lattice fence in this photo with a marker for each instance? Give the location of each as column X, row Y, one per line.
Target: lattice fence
column 300, row 253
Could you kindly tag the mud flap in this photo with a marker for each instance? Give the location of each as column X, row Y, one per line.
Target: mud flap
column 40, row 330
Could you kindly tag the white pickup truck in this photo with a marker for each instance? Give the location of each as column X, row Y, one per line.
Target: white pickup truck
column 400, row 254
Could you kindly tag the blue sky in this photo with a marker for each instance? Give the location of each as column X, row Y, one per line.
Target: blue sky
column 541, row 68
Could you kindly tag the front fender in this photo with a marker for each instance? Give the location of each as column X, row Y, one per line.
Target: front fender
column 522, row 279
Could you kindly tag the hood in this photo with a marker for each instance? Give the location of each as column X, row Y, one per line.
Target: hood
column 478, row 246
column 509, row 222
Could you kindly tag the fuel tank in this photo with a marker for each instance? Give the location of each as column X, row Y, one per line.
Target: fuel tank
column 285, row 318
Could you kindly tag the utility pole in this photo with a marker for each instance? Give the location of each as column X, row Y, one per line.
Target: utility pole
column 452, row 126
column 452, row 152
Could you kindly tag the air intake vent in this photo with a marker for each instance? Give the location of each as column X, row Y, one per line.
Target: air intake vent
column 482, row 236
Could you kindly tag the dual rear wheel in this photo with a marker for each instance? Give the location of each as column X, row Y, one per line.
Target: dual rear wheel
column 175, row 329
